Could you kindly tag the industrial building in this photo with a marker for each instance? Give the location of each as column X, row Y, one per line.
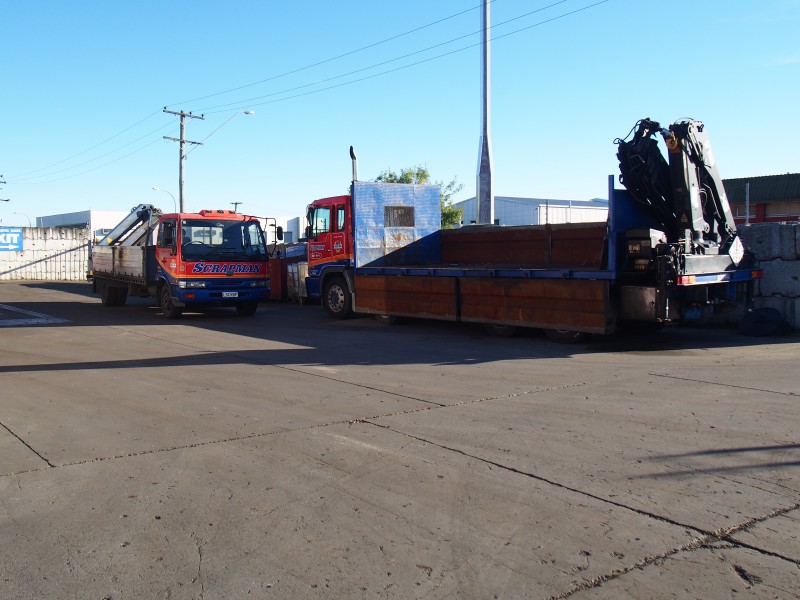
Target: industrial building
column 770, row 198
column 510, row 210
column 99, row 222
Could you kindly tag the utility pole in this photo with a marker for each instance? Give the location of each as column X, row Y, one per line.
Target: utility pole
column 183, row 141
column 484, row 196
column 236, row 206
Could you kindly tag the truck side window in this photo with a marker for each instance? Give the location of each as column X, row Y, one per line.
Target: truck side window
column 340, row 218
column 322, row 220
column 166, row 237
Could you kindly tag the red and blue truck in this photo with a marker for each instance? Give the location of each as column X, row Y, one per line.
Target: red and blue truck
column 668, row 252
column 184, row 260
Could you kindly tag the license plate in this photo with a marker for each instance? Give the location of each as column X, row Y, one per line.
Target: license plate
column 230, row 294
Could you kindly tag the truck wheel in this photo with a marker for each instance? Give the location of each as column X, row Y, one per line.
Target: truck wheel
column 246, row 309
column 168, row 308
column 388, row 319
column 505, row 331
column 336, row 298
column 113, row 295
column 565, row 336
column 122, row 296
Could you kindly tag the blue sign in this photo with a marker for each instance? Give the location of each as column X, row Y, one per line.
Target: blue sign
column 10, row 239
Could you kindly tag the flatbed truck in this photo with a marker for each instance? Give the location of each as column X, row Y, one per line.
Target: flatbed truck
column 668, row 252
column 209, row 258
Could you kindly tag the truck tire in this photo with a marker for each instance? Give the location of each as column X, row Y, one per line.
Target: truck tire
column 505, row 331
column 168, row 308
column 566, row 336
column 246, row 309
column 112, row 295
column 336, row 298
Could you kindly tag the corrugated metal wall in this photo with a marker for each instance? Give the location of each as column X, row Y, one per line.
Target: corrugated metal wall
column 48, row 253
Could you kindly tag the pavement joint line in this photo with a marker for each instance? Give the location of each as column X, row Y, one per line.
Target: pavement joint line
column 26, row 444
column 714, row 540
column 350, row 421
column 706, row 538
column 252, row 361
column 37, row 318
column 731, row 385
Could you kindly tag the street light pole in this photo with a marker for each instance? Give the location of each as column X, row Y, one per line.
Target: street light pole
column 174, row 205
column 24, row 215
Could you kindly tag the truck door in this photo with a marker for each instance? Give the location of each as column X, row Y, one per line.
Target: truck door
column 319, row 239
column 166, row 246
column 339, row 248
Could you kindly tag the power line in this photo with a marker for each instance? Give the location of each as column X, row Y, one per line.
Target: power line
column 249, row 103
column 30, row 174
column 82, row 152
column 24, row 180
column 327, row 60
column 414, row 64
column 380, row 64
column 93, row 169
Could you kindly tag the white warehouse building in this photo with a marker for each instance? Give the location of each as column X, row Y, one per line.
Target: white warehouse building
column 510, row 210
column 99, row 222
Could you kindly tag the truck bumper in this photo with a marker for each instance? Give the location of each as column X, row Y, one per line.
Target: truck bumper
column 215, row 296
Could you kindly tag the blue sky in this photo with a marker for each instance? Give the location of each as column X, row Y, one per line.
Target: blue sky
column 83, row 85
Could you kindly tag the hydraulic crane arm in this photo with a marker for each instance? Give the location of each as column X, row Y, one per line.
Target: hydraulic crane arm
column 697, row 187
column 686, row 195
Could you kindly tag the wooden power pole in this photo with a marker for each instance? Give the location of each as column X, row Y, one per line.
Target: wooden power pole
column 183, row 141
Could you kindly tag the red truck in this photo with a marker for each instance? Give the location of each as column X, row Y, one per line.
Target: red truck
column 210, row 258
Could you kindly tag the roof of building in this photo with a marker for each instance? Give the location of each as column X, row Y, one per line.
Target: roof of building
column 768, row 188
column 538, row 201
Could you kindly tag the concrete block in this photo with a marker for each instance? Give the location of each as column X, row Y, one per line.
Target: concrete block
column 797, row 240
column 771, row 240
column 788, row 307
column 781, row 278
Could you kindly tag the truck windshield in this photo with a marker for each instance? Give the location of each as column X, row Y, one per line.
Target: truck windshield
column 222, row 240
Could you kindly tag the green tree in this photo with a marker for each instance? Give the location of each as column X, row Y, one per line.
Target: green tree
column 451, row 216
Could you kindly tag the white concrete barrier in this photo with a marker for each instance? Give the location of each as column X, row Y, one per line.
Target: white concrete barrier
column 777, row 250
column 45, row 253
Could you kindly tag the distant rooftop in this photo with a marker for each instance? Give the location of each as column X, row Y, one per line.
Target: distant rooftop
column 767, row 188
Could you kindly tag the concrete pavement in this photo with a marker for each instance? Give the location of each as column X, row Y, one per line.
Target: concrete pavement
column 291, row 456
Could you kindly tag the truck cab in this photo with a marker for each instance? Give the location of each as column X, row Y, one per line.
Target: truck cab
column 330, row 240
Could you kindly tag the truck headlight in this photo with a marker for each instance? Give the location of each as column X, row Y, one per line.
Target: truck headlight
column 191, row 283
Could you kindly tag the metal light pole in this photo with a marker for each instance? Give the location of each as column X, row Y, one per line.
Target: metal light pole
column 174, row 205
column 484, row 195
column 24, row 215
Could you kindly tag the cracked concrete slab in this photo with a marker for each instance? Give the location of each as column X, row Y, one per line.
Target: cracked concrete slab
column 707, row 458
column 728, row 573
column 780, row 535
column 345, row 510
column 288, row 455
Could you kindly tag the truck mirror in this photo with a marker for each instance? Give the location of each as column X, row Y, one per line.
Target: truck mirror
column 308, row 232
column 279, row 233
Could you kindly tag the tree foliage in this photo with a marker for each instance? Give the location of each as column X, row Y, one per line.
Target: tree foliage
column 451, row 216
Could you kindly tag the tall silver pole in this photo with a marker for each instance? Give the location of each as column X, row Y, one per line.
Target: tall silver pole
column 485, row 192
